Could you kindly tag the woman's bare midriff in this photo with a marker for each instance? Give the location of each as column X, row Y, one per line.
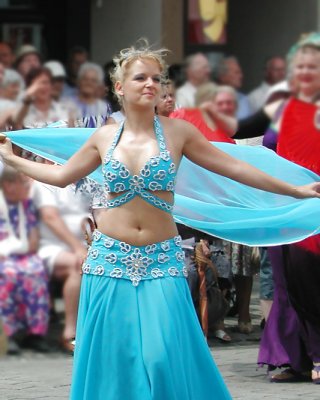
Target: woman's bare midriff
column 137, row 222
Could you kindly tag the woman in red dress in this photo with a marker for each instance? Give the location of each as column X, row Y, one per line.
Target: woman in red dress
column 299, row 141
column 292, row 334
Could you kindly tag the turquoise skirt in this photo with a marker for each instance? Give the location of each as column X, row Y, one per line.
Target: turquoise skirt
column 140, row 339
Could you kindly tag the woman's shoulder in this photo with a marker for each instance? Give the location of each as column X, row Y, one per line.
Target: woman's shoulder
column 178, row 129
column 184, row 113
column 106, row 132
column 174, row 123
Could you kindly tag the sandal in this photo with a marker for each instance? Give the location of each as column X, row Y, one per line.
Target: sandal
column 315, row 374
column 289, row 375
column 68, row 344
column 222, row 335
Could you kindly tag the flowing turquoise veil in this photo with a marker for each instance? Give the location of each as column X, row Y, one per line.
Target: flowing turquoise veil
column 207, row 201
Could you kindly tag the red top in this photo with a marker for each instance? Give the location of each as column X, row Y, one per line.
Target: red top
column 299, row 138
column 299, row 142
column 195, row 117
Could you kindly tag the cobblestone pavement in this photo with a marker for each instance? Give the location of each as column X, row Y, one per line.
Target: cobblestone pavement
column 47, row 377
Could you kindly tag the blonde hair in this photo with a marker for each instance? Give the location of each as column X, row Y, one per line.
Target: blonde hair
column 209, row 91
column 205, row 92
column 140, row 51
column 226, row 89
column 308, row 48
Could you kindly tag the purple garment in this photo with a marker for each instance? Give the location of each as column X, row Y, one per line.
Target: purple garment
column 24, row 295
column 281, row 343
column 302, row 278
column 270, row 138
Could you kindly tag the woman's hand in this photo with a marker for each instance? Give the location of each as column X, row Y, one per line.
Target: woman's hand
column 35, row 87
column 198, row 150
column 310, row 190
column 5, row 147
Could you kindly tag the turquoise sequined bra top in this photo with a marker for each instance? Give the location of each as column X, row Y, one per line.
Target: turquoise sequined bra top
column 158, row 173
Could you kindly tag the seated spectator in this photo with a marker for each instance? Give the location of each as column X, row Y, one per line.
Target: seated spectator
column 27, row 58
column 274, row 72
column 229, row 73
column 197, row 70
column 6, row 106
column 167, row 102
column 12, row 85
column 62, row 246
column 77, row 56
column 88, row 109
column 214, row 106
column 59, row 75
column 24, row 297
column 37, row 107
column 6, row 55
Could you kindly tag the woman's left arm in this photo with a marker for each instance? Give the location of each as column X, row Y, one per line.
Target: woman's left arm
column 197, row 149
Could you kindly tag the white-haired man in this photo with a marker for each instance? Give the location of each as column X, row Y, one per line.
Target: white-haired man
column 197, row 69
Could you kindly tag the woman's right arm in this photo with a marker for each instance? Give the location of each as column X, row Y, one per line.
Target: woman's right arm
column 82, row 163
column 258, row 123
column 224, row 122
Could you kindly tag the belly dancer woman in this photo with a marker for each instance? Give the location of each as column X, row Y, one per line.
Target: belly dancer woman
column 138, row 337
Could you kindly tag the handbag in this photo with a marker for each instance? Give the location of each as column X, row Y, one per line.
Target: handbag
column 215, row 305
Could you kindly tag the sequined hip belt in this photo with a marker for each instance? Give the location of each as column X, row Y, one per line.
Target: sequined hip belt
column 116, row 259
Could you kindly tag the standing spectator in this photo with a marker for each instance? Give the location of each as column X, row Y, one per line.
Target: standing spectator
column 197, row 69
column 24, row 299
column 6, row 55
column 61, row 246
column 295, row 343
column 229, row 73
column 59, row 76
column 274, row 72
column 78, row 55
column 27, row 58
column 87, row 107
